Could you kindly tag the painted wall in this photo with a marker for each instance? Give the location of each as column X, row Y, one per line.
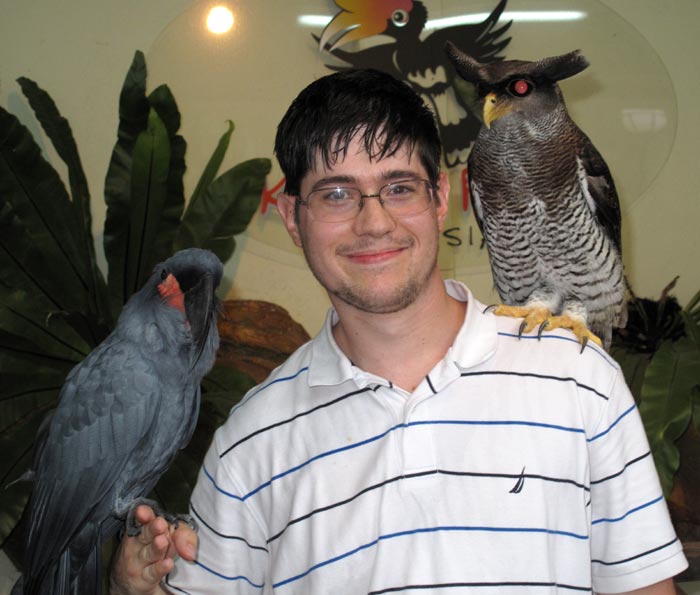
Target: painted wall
column 80, row 50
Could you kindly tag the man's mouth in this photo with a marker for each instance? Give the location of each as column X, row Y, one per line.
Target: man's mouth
column 374, row 257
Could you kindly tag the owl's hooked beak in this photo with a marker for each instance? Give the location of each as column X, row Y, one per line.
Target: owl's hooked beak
column 494, row 109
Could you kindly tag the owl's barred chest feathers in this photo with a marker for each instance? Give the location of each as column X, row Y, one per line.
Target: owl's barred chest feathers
column 523, row 169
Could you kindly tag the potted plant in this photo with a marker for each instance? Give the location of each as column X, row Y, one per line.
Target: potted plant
column 659, row 353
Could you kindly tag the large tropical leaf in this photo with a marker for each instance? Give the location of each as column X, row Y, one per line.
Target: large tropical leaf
column 163, row 102
column 38, row 221
column 225, row 209
column 149, row 177
column 212, row 167
column 133, row 119
column 666, row 402
column 59, row 132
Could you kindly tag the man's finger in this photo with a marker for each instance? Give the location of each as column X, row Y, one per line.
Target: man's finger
column 154, row 573
column 149, row 531
column 185, row 541
column 156, row 550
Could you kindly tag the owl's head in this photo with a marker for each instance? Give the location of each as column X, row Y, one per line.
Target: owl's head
column 517, row 86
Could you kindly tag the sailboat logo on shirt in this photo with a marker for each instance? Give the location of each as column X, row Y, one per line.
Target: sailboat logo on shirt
column 517, row 488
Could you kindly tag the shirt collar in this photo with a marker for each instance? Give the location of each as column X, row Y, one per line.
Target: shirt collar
column 475, row 342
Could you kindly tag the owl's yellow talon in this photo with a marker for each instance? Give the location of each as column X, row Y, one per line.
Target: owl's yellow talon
column 576, row 326
column 543, row 319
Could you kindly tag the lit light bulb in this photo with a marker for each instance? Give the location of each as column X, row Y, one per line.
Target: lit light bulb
column 220, row 20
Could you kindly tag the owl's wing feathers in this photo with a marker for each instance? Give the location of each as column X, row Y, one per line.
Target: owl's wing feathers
column 92, row 441
column 599, row 188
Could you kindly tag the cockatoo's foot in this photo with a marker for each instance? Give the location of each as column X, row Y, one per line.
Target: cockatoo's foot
column 533, row 316
column 133, row 527
column 577, row 326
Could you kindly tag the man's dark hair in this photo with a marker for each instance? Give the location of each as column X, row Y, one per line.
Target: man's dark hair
column 326, row 116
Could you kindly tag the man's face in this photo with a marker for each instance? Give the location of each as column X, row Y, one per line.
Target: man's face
column 374, row 262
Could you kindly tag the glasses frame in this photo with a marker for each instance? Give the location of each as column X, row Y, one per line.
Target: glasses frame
column 432, row 188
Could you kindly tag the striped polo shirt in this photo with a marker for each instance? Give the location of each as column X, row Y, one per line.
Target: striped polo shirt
column 516, row 466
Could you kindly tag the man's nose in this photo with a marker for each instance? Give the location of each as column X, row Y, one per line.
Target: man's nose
column 373, row 218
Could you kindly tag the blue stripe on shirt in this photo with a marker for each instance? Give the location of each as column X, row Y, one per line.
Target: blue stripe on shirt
column 426, row 530
column 589, row 345
column 269, row 384
column 613, row 424
column 228, row 578
column 629, row 512
column 382, row 435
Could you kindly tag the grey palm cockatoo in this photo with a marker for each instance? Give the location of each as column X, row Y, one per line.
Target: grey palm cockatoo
column 122, row 415
column 544, row 200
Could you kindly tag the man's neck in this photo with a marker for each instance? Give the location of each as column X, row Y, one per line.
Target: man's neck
column 402, row 346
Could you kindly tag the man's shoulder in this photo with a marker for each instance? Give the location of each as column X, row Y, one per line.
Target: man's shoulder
column 552, row 352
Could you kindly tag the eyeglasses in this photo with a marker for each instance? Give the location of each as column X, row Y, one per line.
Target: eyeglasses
column 338, row 204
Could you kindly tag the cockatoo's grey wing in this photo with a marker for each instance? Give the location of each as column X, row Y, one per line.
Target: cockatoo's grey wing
column 107, row 406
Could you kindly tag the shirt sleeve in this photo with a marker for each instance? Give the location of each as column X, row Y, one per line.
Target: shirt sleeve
column 232, row 555
column 633, row 543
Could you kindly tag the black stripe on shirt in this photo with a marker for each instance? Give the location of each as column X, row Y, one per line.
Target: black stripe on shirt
column 223, row 535
column 173, row 587
column 538, row 376
column 434, row 586
column 297, row 416
column 641, row 555
column 621, row 471
column 424, row 474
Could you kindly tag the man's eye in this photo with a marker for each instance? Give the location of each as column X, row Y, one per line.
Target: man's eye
column 336, row 195
column 400, row 189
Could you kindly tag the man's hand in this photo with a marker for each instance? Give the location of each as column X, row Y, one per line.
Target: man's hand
column 141, row 562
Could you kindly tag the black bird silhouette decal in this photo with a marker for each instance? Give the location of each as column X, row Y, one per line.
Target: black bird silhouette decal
column 419, row 62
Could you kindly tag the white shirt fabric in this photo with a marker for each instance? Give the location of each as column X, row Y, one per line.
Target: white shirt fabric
column 516, row 466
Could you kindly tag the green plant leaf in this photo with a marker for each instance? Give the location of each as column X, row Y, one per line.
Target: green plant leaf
column 133, row 120
column 693, row 308
column 38, row 226
column 149, row 179
column 633, row 365
column 162, row 100
column 666, row 404
column 213, row 165
column 692, row 330
column 25, row 316
column 59, row 132
column 225, row 209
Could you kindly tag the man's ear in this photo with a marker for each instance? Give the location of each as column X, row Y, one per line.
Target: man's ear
column 286, row 205
column 442, row 195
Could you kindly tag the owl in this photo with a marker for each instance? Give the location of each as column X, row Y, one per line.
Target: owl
column 544, row 200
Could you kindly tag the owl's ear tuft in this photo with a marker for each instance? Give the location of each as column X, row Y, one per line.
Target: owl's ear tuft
column 468, row 68
column 558, row 68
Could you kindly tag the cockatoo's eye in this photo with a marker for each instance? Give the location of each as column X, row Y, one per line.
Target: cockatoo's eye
column 163, row 274
column 520, row 87
column 399, row 17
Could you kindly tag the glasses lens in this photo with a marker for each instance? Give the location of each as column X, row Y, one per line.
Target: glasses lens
column 334, row 204
column 408, row 197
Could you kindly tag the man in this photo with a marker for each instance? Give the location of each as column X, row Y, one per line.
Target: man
column 416, row 444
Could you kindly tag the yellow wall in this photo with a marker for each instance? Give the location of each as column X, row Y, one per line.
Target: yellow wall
column 80, row 50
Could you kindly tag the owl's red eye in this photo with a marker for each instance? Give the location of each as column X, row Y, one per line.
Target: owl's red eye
column 520, row 87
